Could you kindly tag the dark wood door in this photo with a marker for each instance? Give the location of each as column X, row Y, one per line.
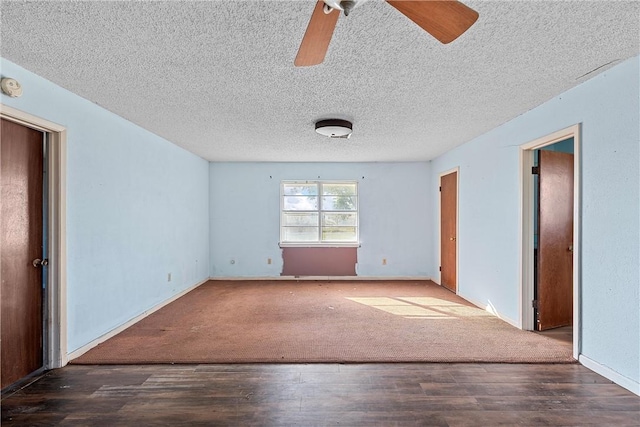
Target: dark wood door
column 448, row 230
column 21, row 174
column 555, row 240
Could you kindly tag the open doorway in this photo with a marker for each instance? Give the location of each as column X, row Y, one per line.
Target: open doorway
column 550, row 236
column 553, row 240
column 42, row 264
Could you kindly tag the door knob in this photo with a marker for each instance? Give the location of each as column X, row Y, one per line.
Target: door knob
column 40, row 262
column 570, row 248
column 453, row 239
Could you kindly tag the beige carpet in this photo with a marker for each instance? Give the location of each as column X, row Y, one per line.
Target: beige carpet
column 340, row 321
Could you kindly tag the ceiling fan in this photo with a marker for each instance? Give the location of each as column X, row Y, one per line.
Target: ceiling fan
column 445, row 20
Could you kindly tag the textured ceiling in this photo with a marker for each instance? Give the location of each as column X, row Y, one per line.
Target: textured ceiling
column 217, row 77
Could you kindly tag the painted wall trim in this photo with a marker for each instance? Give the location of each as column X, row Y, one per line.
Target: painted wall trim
column 82, row 350
column 56, row 299
column 30, row 120
column 526, row 227
column 349, row 278
column 610, row 374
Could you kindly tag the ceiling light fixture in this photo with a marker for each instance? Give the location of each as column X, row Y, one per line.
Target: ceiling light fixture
column 334, row 128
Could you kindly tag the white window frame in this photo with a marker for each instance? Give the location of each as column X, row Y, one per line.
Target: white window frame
column 320, row 243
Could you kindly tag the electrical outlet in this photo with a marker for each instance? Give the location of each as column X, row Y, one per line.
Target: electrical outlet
column 384, row 261
column 268, row 260
column 168, row 277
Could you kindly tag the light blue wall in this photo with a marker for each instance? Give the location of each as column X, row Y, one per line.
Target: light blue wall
column 488, row 238
column 137, row 209
column 395, row 216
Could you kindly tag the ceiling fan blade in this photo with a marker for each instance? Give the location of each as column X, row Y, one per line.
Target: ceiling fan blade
column 445, row 20
column 317, row 37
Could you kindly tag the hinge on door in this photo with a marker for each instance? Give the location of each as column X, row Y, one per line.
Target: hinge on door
column 439, row 188
column 440, row 268
column 534, row 303
column 535, row 170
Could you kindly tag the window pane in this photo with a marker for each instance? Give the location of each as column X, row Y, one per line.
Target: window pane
column 305, row 218
column 300, row 219
column 339, row 219
column 300, row 234
column 339, row 189
column 300, row 203
column 339, row 234
column 300, row 189
column 339, row 203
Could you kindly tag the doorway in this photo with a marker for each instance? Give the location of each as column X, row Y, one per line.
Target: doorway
column 550, row 235
column 33, row 250
column 449, row 230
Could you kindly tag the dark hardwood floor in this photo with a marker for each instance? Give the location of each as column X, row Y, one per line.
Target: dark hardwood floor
column 322, row 394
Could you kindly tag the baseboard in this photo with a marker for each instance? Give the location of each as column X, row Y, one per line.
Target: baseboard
column 621, row 380
column 82, row 350
column 354, row 278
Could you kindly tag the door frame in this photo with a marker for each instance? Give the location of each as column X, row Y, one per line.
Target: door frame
column 439, row 240
column 527, row 227
column 55, row 303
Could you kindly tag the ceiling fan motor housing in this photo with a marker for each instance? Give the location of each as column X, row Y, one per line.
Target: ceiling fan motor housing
column 333, row 4
column 344, row 5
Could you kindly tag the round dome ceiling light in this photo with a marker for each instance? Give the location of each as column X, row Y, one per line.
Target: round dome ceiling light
column 334, row 128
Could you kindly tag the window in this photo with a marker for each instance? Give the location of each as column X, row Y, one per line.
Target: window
column 317, row 212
